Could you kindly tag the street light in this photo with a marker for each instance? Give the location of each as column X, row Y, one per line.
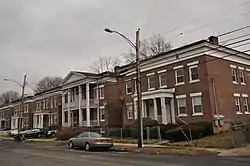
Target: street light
column 22, row 103
column 138, row 85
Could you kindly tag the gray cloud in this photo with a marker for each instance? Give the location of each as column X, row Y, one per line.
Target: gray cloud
column 51, row 37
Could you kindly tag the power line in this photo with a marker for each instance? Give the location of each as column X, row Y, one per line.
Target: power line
column 236, row 30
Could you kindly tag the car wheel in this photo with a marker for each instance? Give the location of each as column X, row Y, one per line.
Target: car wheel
column 71, row 146
column 87, row 146
column 53, row 135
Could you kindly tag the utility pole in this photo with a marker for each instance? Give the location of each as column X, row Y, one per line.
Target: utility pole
column 22, row 105
column 138, row 87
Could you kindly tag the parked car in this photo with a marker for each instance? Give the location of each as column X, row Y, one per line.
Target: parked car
column 51, row 131
column 90, row 140
column 34, row 133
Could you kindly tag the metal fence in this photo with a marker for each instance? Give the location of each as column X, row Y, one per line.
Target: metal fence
column 240, row 133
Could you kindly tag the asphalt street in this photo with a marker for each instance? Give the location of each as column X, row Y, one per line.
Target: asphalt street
column 23, row 154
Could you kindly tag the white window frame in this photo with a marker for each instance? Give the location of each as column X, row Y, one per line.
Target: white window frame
column 178, row 98
column 151, row 75
column 234, row 68
column 242, row 75
column 129, row 111
column 190, row 74
column 102, row 108
column 246, row 103
column 101, row 92
column 237, row 99
column 135, row 82
column 176, row 70
column 194, row 95
column 160, row 73
column 126, row 87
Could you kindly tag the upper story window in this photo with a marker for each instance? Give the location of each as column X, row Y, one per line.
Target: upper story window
column 162, row 78
column 193, row 73
column 128, row 86
column 51, row 102
column 242, row 76
column 37, row 105
column 55, row 102
column 179, row 75
column 151, row 81
column 44, row 104
column 101, row 92
column 66, row 98
column 234, row 74
column 102, row 113
column 129, row 109
column 47, row 103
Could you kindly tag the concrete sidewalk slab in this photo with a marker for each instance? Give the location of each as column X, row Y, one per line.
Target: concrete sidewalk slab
column 244, row 151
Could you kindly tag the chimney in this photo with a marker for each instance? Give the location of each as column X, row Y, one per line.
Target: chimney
column 213, row 40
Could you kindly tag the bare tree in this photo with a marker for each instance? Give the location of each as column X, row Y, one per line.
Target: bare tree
column 103, row 64
column 47, row 83
column 8, row 96
column 149, row 48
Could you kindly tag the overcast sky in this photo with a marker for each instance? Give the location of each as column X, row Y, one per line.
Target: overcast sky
column 52, row 37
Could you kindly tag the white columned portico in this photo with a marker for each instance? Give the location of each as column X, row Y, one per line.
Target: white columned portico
column 41, row 124
column 80, row 105
column 155, row 109
column 135, row 109
column 143, row 108
column 172, row 110
column 87, row 105
column 163, row 109
column 98, row 105
column 63, row 114
column 69, row 101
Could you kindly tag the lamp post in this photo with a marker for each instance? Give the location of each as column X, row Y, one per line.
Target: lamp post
column 138, row 82
column 22, row 102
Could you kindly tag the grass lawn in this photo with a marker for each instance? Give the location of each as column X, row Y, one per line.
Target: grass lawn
column 223, row 141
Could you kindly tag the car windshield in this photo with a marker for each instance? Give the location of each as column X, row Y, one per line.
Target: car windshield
column 96, row 135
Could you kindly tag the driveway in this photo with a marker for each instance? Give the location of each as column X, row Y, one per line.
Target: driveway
column 23, row 154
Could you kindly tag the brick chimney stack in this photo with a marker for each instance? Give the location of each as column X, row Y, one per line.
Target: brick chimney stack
column 213, row 40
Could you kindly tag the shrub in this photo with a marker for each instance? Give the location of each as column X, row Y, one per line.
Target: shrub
column 198, row 130
column 147, row 122
column 67, row 133
column 163, row 128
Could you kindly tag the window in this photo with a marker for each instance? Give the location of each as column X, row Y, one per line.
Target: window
column 197, row 105
column 242, row 77
column 163, row 79
column 245, row 105
column 51, row 103
column 128, row 87
column 101, row 92
column 44, row 104
column 182, row 107
column 237, row 104
column 129, row 109
column 47, row 103
column 151, row 81
column 66, row 117
column 179, row 74
column 234, row 75
column 102, row 114
column 193, row 73
column 135, row 83
column 55, row 102
column 37, row 119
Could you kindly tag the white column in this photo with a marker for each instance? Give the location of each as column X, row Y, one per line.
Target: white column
column 87, row 105
column 163, row 110
column 80, row 105
column 98, row 105
column 172, row 110
column 155, row 110
column 63, row 105
column 135, row 109
column 143, row 108
column 41, row 121
column 69, row 115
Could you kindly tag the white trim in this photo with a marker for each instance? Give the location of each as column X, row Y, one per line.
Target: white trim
column 194, row 81
column 244, row 95
column 243, row 83
column 177, row 67
column 247, row 113
column 193, row 63
column 101, row 86
column 182, row 115
column 162, row 71
column 150, row 74
column 233, row 66
column 241, row 68
column 180, row 83
column 180, row 96
column 149, row 83
column 247, row 69
column 236, row 95
column 159, row 78
column 234, row 82
column 239, row 113
column 178, row 106
column 197, row 114
column 129, row 117
column 130, row 103
column 195, row 94
column 164, row 86
column 128, row 93
column 102, row 107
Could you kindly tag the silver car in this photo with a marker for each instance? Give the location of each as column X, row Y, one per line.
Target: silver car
column 90, row 140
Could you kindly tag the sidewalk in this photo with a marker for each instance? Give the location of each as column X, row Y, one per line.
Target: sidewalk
column 244, row 151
